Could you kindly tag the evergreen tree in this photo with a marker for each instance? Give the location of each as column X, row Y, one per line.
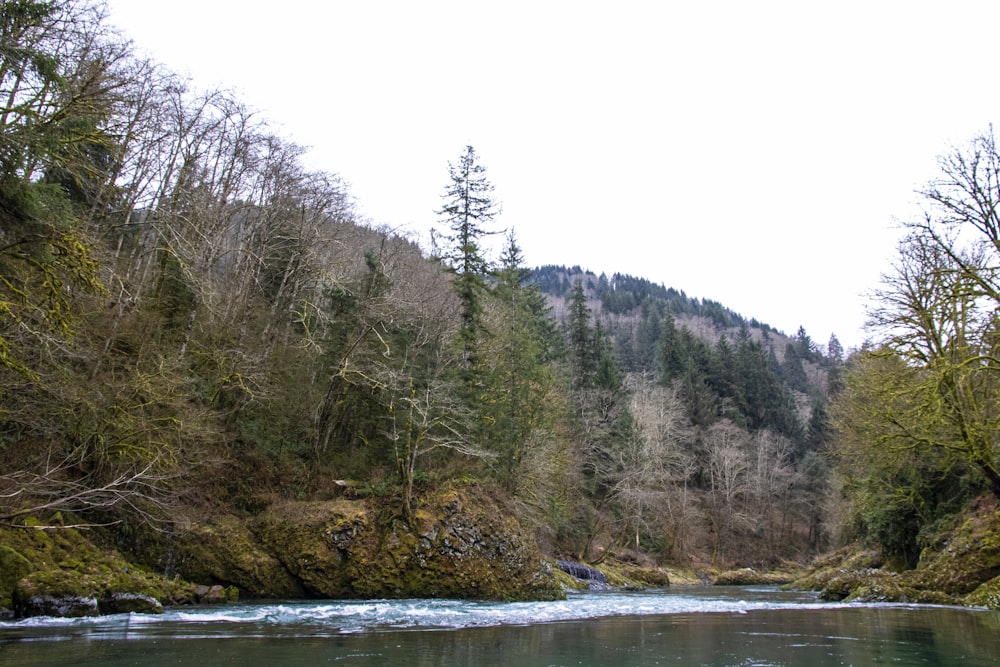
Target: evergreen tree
column 593, row 359
column 834, row 350
column 468, row 211
column 792, row 369
column 672, row 361
column 768, row 404
column 723, row 379
column 514, row 372
column 583, row 361
column 607, row 374
column 804, row 346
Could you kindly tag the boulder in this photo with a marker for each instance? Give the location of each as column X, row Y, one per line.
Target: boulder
column 215, row 594
column 128, row 603
column 460, row 545
column 225, row 550
column 32, row 600
column 313, row 541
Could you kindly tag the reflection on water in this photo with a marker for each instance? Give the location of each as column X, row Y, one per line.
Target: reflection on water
column 682, row 627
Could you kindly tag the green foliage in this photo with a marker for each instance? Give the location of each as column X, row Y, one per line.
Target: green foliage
column 897, row 490
column 936, row 316
column 516, row 374
column 468, row 211
column 43, row 257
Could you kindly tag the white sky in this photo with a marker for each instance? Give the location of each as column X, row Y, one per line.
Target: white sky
column 753, row 153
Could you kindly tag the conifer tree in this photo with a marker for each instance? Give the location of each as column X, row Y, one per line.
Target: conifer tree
column 583, row 359
column 468, row 211
column 513, row 371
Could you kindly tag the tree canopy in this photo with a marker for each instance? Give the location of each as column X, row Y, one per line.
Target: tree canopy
column 919, row 418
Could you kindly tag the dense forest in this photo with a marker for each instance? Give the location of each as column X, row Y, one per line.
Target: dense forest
column 191, row 320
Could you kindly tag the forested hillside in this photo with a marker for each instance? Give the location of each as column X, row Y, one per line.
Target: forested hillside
column 192, row 325
column 191, row 318
column 732, row 413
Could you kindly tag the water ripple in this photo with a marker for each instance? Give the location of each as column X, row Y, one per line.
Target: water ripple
column 328, row 617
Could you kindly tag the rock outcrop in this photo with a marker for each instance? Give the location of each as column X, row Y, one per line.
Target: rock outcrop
column 461, row 544
column 961, row 565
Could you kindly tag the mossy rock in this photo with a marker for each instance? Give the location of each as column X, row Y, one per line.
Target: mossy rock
column 95, row 590
column 986, row 595
column 13, row 567
column 61, row 571
column 747, row 576
column 313, row 541
column 845, row 584
column 894, row 589
column 873, row 585
column 129, row 603
column 647, row 576
column 29, row 599
column 461, row 545
column 816, row 580
column 568, row 582
column 850, row 561
column 216, row 594
column 968, row 557
column 225, row 551
column 628, row 576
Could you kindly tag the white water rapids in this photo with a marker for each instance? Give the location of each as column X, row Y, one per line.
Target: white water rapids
column 322, row 617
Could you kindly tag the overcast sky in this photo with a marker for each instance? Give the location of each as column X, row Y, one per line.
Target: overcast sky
column 753, row 153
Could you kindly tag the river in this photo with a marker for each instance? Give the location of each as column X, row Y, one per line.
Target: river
column 681, row 626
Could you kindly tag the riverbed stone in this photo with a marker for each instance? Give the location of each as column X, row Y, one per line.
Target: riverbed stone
column 128, row 603
column 64, row 606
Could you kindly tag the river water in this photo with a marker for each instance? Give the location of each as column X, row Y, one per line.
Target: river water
column 681, row 626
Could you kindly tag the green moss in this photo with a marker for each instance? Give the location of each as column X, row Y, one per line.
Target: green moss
column 312, row 540
column 567, row 582
column 65, row 562
column 986, row 595
column 750, row 577
column 964, row 558
column 227, row 552
column 13, row 567
column 460, row 545
column 961, row 565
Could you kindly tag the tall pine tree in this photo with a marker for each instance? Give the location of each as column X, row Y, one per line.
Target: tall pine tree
column 468, row 211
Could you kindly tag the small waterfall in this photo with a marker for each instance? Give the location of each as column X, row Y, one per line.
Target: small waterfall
column 168, row 566
column 595, row 578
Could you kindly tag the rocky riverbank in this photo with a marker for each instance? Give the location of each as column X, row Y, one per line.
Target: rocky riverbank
column 461, row 545
column 960, row 566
